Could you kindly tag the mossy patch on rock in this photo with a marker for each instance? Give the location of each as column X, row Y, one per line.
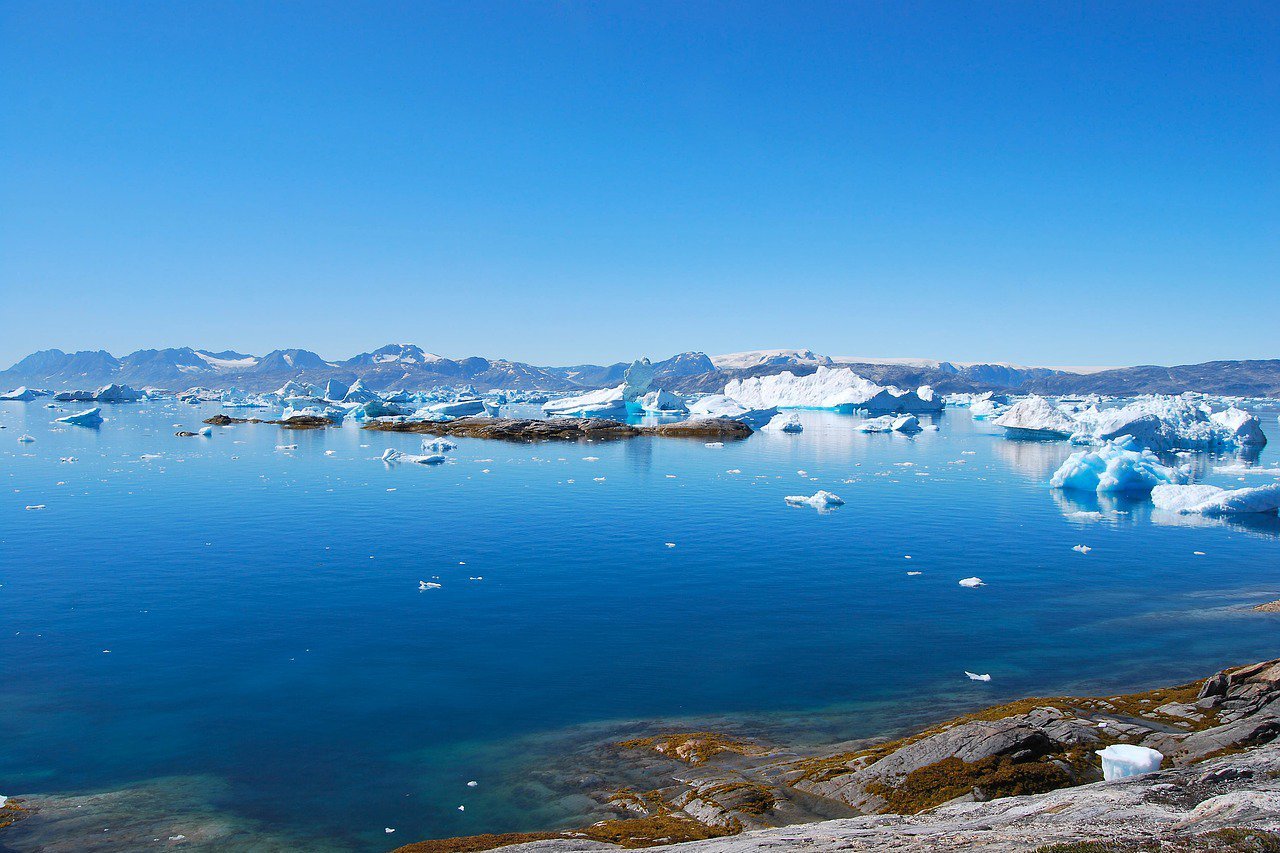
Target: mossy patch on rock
column 11, row 812
column 694, row 747
column 630, row 833
column 997, row 776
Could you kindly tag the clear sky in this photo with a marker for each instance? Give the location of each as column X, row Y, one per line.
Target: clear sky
column 557, row 182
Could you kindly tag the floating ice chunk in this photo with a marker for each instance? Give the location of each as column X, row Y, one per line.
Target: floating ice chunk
column 1211, row 500
column 906, row 423
column 1169, row 423
column 1245, row 428
column 714, row 445
column 785, row 423
column 1112, row 468
column 117, row 394
column 205, row 431
column 720, row 406
column 35, row 506
column 1238, row 469
column 914, row 574
column 1121, row 760
column 21, row 394
column 1086, row 515
column 438, row 445
column 26, row 438
column 335, row 391
column 286, row 447
column 883, row 423
column 87, row 418
column 425, row 585
column 472, row 784
column 662, row 402
column 1083, row 549
column 1036, row 417
column 985, row 409
column 357, row 393
column 605, row 403
column 972, row 583
column 973, row 676
column 819, row 500
column 393, row 455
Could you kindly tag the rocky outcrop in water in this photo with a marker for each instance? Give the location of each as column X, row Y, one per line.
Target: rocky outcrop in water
column 563, row 429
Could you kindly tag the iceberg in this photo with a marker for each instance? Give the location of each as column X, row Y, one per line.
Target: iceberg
column 333, row 413
column 26, row 438
column 234, row 398
column 335, row 391
column 906, row 423
column 605, row 403
column 1114, row 468
column 891, row 423
column 839, row 389
column 357, row 393
column 1036, row 417
column 1121, row 760
column 74, row 396
column 785, row 423
column 22, row 394
column 87, row 418
column 720, row 406
column 117, row 394
column 662, row 402
column 392, row 455
column 893, row 400
column 1212, row 500
column 457, row 408
column 205, row 431
column 1244, row 428
column 820, row 500
column 1169, row 423
column 984, row 409
column 637, row 380
column 438, row 445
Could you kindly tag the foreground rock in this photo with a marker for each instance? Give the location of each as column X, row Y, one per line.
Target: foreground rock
column 564, row 429
column 295, row 422
column 1019, row 777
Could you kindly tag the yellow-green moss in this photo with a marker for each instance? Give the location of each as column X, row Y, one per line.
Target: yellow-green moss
column 694, row 747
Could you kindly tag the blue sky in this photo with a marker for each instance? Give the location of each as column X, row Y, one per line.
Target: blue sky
column 1045, row 183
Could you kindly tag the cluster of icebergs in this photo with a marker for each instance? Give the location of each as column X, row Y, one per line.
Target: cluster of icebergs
column 106, row 394
column 1158, row 423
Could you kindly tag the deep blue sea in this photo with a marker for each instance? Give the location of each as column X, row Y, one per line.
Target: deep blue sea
column 247, row 616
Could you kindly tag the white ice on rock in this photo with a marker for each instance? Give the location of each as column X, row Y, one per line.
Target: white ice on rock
column 1120, row 760
column 1212, row 500
column 1113, row 468
column 820, row 500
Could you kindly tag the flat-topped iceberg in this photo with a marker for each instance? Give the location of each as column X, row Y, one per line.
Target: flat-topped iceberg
column 393, row 455
column 1112, row 468
column 1212, row 500
column 605, row 403
column 87, row 418
column 1036, row 417
column 458, row 408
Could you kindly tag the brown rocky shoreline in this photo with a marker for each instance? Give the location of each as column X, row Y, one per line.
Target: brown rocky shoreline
column 565, row 429
column 1021, row 776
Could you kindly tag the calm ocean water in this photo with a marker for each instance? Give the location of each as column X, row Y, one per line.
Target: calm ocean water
column 251, row 616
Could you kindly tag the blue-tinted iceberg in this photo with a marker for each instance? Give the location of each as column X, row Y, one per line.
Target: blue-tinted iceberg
column 87, row 418
column 22, row 394
column 1112, row 468
column 117, row 394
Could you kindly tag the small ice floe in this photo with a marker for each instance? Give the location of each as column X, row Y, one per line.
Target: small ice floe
column 1198, row 553
column 598, row 479
column 1211, row 500
column 26, row 438
column 715, row 444
column 286, row 447
column 972, row 583
column 1083, row 549
column 819, row 500
column 388, row 830
column 1238, row 469
column 784, row 422
column 35, row 506
column 438, row 445
column 393, row 455
column 591, row 459
column 147, row 457
column 1121, row 760
column 205, row 431
column 914, row 574
column 330, row 452
column 669, row 544
column 67, row 460
column 1085, row 515
column 425, row 585
column 462, row 808
column 87, row 418
column 472, row 784
column 973, row 676
column 734, row 471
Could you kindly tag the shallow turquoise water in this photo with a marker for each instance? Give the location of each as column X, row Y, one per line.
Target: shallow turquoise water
column 265, row 628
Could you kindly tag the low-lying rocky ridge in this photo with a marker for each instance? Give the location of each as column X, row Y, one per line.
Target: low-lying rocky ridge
column 564, row 429
column 1022, row 776
column 295, row 422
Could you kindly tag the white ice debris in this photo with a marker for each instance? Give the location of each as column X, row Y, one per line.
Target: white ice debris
column 393, row 455
column 1212, row 500
column 906, row 423
column 438, row 445
column 819, row 500
column 784, row 422
column 972, row 583
column 457, row 408
column 1240, row 469
column 88, row 418
column 425, row 585
column 1120, row 760
column 973, row 676
column 891, row 423
column 117, row 394
column 1112, row 468
column 472, row 784
column 1036, row 416
column 1083, row 549
column 984, row 409
column 26, row 438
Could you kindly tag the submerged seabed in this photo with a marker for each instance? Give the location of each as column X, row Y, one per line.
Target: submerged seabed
column 228, row 633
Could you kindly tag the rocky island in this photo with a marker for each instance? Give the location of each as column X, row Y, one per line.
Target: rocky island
column 564, row 429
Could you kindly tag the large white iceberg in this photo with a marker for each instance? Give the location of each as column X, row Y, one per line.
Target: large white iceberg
column 891, row 423
column 1036, row 417
column 117, row 394
column 839, row 389
column 335, row 391
column 1112, row 468
column 720, row 406
column 1212, row 500
column 1169, row 423
column 88, row 418
column 21, row 394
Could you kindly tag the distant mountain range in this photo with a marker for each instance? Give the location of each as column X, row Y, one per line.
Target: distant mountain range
column 409, row 366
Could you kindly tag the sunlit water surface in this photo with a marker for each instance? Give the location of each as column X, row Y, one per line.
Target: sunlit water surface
column 245, row 614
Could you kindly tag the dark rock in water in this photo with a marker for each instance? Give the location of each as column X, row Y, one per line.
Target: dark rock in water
column 295, row 422
column 182, row 433
column 562, row 429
